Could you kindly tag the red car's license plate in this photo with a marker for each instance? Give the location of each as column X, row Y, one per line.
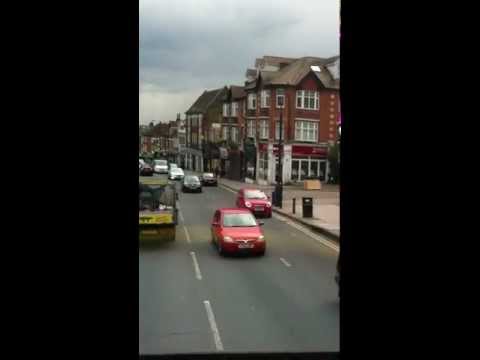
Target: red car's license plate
column 245, row 246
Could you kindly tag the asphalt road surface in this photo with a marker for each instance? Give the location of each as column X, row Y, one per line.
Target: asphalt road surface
column 193, row 300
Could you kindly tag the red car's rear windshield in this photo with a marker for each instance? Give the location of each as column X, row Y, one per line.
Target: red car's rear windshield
column 239, row 220
column 255, row 194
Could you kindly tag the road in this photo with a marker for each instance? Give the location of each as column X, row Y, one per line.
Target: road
column 193, row 300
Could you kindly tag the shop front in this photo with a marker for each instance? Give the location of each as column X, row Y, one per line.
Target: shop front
column 309, row 162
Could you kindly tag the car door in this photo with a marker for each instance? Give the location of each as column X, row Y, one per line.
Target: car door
column 216, row 229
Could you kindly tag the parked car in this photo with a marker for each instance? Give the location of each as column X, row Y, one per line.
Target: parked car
column 209, row 179
column 160, row 166
column 146, row 170
column 176, row 174
column 172, row 166
column 237, row 231
column 191, row 183
column 254, row 200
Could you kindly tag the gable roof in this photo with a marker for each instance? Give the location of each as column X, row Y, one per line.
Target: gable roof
column 237, row 92
column 205, row 100
column 293, row 73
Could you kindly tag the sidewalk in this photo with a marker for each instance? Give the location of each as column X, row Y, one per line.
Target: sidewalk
column 326, row 205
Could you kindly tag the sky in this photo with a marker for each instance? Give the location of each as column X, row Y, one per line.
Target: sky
column 188, row 46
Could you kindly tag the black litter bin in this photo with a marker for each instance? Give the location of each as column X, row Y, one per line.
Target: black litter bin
column 307, row 207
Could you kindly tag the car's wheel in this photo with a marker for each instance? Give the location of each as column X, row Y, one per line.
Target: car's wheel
column 221, row 252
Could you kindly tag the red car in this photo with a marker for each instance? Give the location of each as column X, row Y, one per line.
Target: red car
column 237, row 231
column 256, row 201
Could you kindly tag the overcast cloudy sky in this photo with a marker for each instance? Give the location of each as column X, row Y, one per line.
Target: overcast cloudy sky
column 188, row 46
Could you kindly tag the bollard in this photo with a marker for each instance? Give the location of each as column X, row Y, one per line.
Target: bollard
column 293, row 206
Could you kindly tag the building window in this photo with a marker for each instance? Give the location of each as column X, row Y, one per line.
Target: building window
column 277, row 131
column 263, row 166
column 307, row 99
column 252, row 101
column 265, row 98
column 234, row 106
column 225, row 110
column 263, row 129
column 280, row 98
column 251, row 128
column 306, row 131
column 234, row 135
column 225, row 133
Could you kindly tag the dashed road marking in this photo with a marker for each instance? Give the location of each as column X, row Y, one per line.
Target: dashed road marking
column 187, row 234
column 213, row 326
column 198, row 274
column 285, row 262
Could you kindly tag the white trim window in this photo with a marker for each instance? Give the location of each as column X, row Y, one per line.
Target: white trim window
column 252, row 101
column 280, row 97
column 265, row 98
column 277, row 131
column 234, row 134
column 263, row 166
column 251, row 128
column 308, row 100
column 234, row 107
column 226, row 109
column 225, row 133
column 306, row 131
column 263, row 129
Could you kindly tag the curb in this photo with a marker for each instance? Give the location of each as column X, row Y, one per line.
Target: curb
column 315, row 228
column 318, row 229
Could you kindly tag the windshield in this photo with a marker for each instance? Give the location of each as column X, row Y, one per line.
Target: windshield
column 239, row 220
column 173, row 166
column 176, row 171
column 161, row 162
column 208, row 175
column 255, row 194
column 192, row 180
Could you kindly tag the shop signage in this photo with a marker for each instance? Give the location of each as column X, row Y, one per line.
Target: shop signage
column 299, row 150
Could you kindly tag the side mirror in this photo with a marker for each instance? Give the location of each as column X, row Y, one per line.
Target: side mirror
column 261, row 223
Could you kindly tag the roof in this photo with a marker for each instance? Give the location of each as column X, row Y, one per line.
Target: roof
column 237, row 92
column 251, row 73
column 234, row 210
column 205, row 100
column 293, row 73
column 273, row 60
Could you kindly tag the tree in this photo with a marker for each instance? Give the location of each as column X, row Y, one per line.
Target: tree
column 334, row 161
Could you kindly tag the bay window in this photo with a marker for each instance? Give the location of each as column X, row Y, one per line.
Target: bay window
column 265, row 98
column 277, row 131
column 306, row 131
column 225, row 133
column 307, row 99
column 280, row 95
column 251, row 128
column 263, row 129
column 234, row 134
column 226, row 110
column 234, row 106
column 252, row 101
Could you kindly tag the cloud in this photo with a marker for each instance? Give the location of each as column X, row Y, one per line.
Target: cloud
column 188, row 46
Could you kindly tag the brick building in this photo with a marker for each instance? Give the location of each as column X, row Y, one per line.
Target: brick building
column 304, row 93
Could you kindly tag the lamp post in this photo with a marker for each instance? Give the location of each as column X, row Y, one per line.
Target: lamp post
column 279, row 183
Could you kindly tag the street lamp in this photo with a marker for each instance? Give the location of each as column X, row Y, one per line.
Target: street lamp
column 279, row 182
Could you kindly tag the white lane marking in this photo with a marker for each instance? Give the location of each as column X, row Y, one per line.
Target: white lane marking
column 181, row 216
column 314, row 236
column 225, row 188
column 213, row 326
column 198, row 274
column 285, row 262
column 187, row 235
